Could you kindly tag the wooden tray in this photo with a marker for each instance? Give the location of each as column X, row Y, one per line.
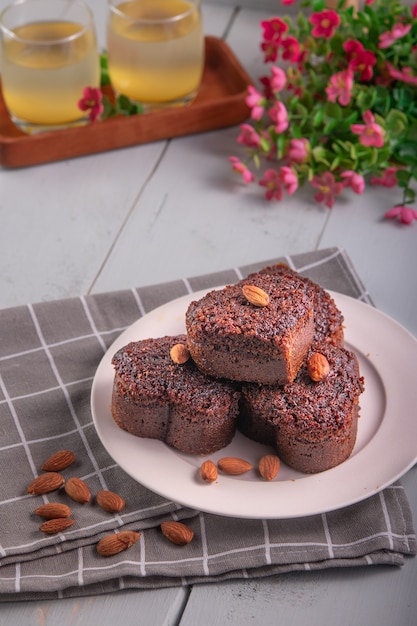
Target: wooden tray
column 220, row 102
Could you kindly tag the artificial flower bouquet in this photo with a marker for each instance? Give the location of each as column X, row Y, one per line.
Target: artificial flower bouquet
column 338, row 108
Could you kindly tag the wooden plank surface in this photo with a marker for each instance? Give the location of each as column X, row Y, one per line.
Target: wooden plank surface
column 172, row 209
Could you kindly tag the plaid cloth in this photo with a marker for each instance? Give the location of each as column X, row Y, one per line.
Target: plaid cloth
column 49, row 353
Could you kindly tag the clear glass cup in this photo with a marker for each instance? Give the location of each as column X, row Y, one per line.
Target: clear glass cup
column 155, row 50
column 48, row 56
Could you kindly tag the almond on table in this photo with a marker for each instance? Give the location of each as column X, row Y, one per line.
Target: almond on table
column 117, row 542
column 110, row 501
column 77, row 490
column 177, row 532
column 57, row 525
column 53, row 510
column 58, row 461
column 44, row 483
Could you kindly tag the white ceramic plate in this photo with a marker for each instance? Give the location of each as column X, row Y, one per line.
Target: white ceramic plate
column 386, row 445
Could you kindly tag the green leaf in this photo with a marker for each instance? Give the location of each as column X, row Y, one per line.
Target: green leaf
column 319, row 155
column 125, row 106
column 366, row 98
column 318, row 118
column 318, row 5
column 332, row 110
column 104, row 70
column 280, row 146
column 265, row 145
column 330, row 126
column 396, row 122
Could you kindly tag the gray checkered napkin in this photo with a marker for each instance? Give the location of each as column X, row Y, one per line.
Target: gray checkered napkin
column 49, row 353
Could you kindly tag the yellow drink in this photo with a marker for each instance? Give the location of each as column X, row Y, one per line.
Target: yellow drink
column 42, row 78
column 156, row 50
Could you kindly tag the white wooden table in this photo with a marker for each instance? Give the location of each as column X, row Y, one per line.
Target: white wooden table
column 170, row 209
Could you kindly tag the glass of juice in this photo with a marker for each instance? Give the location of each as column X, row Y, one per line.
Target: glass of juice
column 48, row 56
column 155, row 50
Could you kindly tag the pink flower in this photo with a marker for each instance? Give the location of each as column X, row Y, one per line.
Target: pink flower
column 273, row 28
column 290, row 49
column 406, row 74
column 414, row 10
column 388, row 38
column 370, row 133
column 388, row 179
column 255, row 102
column 242, row 169
column 327, row 187
column 279, row 115
column 353, row 180
column 248, row 136
column 278, row 182
column 270, row 48
column 287, row 2
column 340, row 87
column 404, row 213
column 298, row 150
column 92, row 102
column 325, row 23
column 359, row 59
column 278, row 79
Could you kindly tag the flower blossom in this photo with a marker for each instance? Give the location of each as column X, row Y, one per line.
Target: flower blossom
column 92, row 101
column 273, row 28
column 340, row 87
column 278, row 79
column 370, row 133
column 353, row 180
column 328, row 188
column 248, row 136
column 278, row 182
column 406, row 74
column 255, row 102
column 359, row 59
column 404, row 213
column 388, row 178
column 325, row 23
column 290, row 49
column 298, row 150
column 389, row 37
column 242, row 169
column 414, row 10
column 279, row 115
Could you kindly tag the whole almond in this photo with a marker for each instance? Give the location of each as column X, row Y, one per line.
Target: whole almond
column 208, row 471
column 59, row 461
column 56, row 525
column 53, row 510
column 45, row 483
column 318, row 367
column 177, row 532
column 255, row 295
column 77, row 490
column 234, row 466
column 179, row 353
column 117, row 542
column 269, row 466
column 110, row 501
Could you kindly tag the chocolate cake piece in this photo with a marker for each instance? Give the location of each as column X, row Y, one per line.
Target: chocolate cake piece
column 230, row 337
column 311, row 425
column 157, row 398
column 328, row 319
